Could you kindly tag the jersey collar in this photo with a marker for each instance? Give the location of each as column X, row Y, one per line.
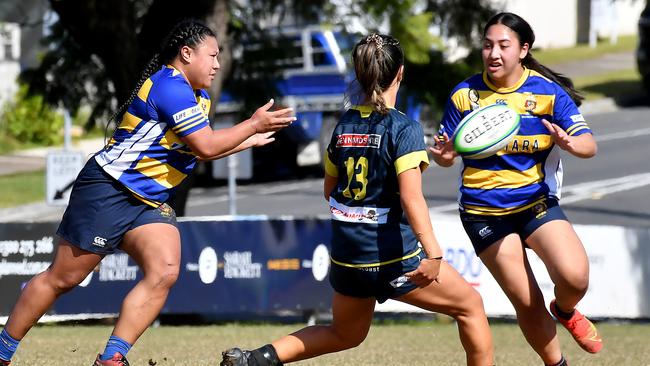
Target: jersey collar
column 510, row 89
column 365, row 110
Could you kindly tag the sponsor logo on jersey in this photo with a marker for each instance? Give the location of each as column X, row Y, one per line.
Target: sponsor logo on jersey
column 185, row 113
column 473, row 97
column 366, row 215
column 358, row 140
column 99, row 241
column 577, row 118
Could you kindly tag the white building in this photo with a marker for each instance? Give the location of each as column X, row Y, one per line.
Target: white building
column 9, row 61
column 564, row 23
column 21, row 30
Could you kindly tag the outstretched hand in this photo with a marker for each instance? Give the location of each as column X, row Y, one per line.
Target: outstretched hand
column 427, row 272
column 261, row 139
column 443, row 148
column 264, row 120
column 560, row 137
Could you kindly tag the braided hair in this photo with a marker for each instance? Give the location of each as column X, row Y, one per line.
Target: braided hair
column 526, row 35
column 377, row 59
column 186, row 33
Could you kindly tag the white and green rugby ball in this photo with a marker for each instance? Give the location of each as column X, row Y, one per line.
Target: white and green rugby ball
column 485, row 131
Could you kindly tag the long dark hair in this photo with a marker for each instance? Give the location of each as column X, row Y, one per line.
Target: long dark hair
column 189, row 33
column 526, row 35
column 377, row 59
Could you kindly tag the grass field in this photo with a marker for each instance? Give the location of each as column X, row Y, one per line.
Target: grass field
column 22, row 188
column 413, row 343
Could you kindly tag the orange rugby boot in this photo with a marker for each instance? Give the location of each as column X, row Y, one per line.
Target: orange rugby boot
column 582, row 330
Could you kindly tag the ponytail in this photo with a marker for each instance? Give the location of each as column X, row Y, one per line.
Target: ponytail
column 377, row 59
column 149, row 69
column 530, row 62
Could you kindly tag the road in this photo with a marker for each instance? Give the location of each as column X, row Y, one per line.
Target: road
column 611, row 189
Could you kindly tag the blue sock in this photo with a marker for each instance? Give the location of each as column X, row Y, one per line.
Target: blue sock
column 115, row 344
column 8, row 346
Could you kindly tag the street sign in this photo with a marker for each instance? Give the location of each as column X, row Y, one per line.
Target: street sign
column 61, row 172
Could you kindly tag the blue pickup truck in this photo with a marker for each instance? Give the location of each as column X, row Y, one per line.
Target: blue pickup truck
column 314, row 80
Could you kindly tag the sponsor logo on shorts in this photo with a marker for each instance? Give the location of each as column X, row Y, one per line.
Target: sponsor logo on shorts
column 99, row 241
column 399, row 281
column 484, row 232
column 358, row 140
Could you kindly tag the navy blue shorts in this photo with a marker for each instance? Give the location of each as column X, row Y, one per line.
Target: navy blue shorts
column 101, row 210
column 381, row 282
column 485, row 230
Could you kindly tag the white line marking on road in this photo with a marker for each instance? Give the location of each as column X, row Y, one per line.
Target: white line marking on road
column 280, row 188
column 622, row 135
column 584, row 191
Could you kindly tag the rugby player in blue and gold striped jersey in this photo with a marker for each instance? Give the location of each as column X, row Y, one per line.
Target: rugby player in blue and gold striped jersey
column 509, row 201
column 118, row 199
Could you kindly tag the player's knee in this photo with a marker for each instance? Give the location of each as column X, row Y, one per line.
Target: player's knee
column 577, row 283
column 167, row 278
column 354, row 341
column 64, row 282
column 351, row 339
column 471, row 306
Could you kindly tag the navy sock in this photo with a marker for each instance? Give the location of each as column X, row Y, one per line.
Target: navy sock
column 562, row 362
column 563, row 314
column 8, row 346
column 115, row 344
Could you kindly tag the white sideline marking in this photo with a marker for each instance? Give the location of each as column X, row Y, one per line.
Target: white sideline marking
column 598, row 189
column 622, row 135
column 203, row 201
column 584, row 191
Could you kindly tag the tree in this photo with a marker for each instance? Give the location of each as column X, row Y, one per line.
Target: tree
column 98, row 48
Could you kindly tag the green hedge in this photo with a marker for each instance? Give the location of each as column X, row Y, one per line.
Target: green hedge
column 28, row 120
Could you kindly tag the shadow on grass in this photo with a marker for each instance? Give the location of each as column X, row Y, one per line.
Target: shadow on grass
column 626, row 93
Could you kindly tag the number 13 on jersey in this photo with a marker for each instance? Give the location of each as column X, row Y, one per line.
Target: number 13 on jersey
column 359, row 172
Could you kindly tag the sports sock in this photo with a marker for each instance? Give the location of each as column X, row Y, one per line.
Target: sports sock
column 115, row 344
column 8, row 346
column 563, row 362
column 563, row 314
column 265, row 356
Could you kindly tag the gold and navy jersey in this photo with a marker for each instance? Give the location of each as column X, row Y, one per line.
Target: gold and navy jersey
column 529, row 168
column 145, row 153
column 367, row 152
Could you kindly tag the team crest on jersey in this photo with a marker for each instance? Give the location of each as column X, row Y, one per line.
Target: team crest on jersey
column 530, row 103
column 358, row 140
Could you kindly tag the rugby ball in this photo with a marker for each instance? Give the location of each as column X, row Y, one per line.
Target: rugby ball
column 485, row 131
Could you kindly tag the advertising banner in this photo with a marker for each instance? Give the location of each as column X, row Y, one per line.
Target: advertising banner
column 619, row 275
column 25, row 250
column 270, row 266
column 227, row 267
